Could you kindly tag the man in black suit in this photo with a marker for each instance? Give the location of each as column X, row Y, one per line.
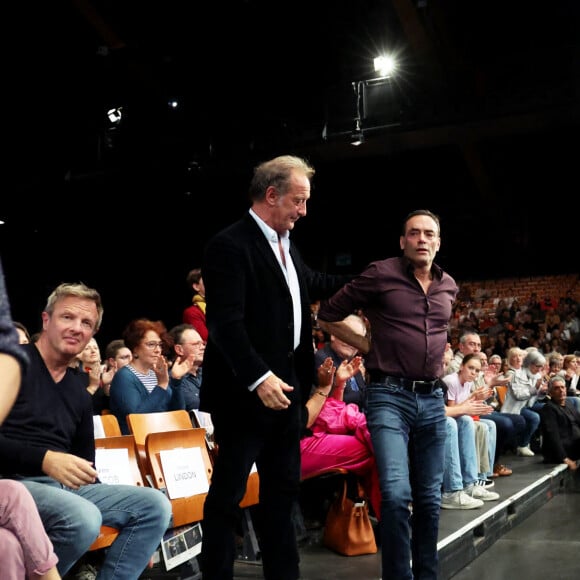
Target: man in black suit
column 560, row 423
column 259, row 367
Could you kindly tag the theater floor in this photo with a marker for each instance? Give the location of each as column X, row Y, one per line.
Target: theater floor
column 544, row 544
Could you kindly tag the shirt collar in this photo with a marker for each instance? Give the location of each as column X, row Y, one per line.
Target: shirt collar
column 410, row 268
column 271, row 235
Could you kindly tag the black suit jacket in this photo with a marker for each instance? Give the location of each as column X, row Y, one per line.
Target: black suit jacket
column 250, row 320
column 559, row 437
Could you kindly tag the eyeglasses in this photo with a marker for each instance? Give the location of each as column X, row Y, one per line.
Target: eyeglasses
column 197, row 343
column 153, row 345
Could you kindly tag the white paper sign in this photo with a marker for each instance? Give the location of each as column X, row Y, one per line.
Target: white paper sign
column 113, row 466
column 184, row 472
column 98, row 428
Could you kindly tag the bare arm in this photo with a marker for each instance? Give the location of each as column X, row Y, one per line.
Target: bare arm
column 11, row 376
column 344, row 333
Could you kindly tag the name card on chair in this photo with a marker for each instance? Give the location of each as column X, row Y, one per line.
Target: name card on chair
column 98, row 428
column 113, row 466
column 184, row 472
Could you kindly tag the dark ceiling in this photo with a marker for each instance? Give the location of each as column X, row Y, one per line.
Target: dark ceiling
column 480, row 124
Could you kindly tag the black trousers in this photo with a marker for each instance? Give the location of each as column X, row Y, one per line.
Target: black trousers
column 271, row 439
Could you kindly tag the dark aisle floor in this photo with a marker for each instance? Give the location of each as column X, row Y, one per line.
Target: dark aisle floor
column 545, row 545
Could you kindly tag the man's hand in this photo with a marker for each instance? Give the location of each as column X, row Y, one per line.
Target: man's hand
column 271, row 393
column 69, row 469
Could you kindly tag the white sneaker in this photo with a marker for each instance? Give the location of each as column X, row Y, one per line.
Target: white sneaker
column 480, row 492
column 459, row 500
column 525, row 452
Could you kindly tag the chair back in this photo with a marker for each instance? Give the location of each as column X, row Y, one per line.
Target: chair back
column 188, row 509
column 141, row 424
column 501, row 393
column 108, row 534
column 110, row 425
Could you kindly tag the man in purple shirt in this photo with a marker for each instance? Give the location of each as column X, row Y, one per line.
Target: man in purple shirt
column 408, row 302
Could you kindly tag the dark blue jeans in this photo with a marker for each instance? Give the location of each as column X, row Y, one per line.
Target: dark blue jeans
column 408, row 431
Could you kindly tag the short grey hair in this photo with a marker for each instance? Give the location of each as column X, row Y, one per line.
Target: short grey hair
column 277, row 173
column 534, row 357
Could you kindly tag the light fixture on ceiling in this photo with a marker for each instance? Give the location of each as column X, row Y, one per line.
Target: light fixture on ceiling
column 385, row 66
column 115, row 115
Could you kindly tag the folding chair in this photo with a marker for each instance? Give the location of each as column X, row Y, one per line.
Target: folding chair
column 141, row 424
column 186, row 510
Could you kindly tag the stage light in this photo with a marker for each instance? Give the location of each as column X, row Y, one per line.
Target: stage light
column 385, row 65
column 115, row 115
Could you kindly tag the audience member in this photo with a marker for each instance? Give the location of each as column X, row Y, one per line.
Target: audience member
column 571, row 370
column 117, row 355
column 459, row 389
column 508, row 426
column 523, row 384
column 560, row 426
column 336, row 432
column 98, row 378
column 187, row 358
column 142, row 386
column 47, row 443
column 195, row 314
column 462, row 487
column 338, row 350
column 405, row 299
column 23, row 334
column 26, row 552
column 258, row 367
column 469, row 342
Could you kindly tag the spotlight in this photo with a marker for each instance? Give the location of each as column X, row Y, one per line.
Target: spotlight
column 385, row 65
column 115, row 115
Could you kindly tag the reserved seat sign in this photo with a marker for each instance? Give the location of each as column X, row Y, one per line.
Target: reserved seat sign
column 184, row 472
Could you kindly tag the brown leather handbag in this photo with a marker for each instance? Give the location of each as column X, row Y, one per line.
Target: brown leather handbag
column 348, row 529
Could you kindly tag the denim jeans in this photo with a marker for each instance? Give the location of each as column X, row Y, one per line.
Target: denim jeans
column 408, row 432
column 72, row 520
column 532, row 423
column 460, row 454
column 509, row 427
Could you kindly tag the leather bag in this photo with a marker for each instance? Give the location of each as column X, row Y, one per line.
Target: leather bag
column 348, row 529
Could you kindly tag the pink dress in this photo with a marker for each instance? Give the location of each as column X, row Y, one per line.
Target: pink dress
column 340, row 438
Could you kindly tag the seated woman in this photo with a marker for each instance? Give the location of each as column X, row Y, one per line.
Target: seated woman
column 336, row 433
column 143, row 386
column 460, row 388
column 526, row 380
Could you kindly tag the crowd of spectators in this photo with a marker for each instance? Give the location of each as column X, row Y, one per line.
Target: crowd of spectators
column 548, row 324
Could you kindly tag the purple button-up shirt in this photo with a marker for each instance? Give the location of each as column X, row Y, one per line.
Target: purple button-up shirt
column 408, row 327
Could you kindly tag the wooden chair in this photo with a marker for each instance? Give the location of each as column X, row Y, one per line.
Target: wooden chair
column 501, row 393
column 141, row 424
column 189, row 509
column 251, row 497
column 110, row 425
column 108, row 534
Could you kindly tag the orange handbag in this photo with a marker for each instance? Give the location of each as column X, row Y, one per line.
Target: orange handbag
column 348, row 529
